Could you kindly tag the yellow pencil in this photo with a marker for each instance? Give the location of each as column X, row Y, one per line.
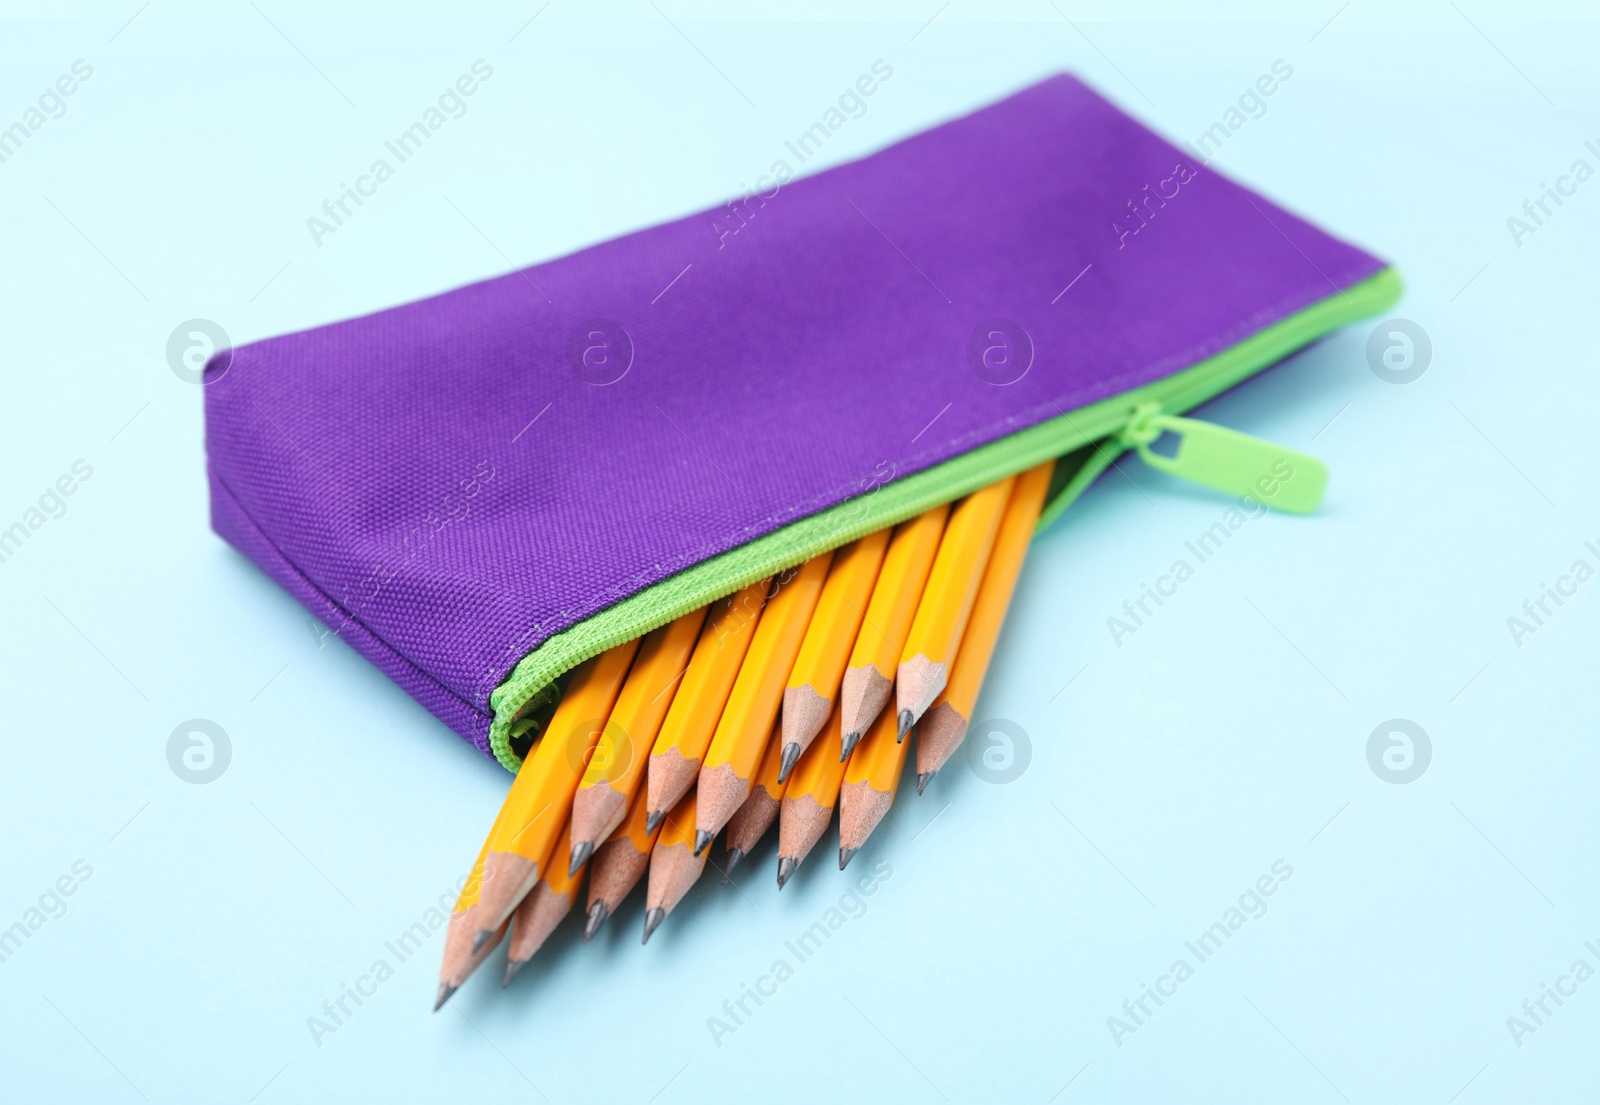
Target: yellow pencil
column 871, row 781
column 681, row 744
column 808, row 801
column 674, row 865
column 542, row 910
column 752, row 820
column 619, row 759
column 752, row 706
column 814, row 682
column 947, row 601
column 944, row 726
column 618, row 864
column 870, row 676
column 541, row 795
column 460, row 960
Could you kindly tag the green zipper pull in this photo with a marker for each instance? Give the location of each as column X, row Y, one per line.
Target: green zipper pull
column 1229, row 461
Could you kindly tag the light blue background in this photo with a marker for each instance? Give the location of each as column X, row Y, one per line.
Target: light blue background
column 1167, row 774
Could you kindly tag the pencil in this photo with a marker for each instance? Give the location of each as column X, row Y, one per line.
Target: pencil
column 692, row 719
column 871, row 780
column 542, row 910
column 746, row 722
column 870, row 676
column 618, row 865
column 535, row 810
column 947, row 601
column 944, row 726
column 814, row 682
column 620, row 756
column 751, row 821
column 459, row 958
column 808, row 801
column 674, row 864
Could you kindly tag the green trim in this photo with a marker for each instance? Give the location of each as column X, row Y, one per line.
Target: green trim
column 1073, row 475
column 1086, row 430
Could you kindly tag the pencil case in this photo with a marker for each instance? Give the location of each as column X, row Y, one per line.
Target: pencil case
column 481, row 489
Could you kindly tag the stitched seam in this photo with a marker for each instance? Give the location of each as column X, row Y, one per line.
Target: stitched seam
column 486, row 716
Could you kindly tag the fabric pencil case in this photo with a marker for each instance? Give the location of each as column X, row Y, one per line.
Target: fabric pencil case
column 481, row 489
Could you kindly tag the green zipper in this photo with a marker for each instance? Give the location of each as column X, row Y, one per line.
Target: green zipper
column 1087, row 440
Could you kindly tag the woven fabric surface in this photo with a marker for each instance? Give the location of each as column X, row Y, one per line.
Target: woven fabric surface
column 701, row 383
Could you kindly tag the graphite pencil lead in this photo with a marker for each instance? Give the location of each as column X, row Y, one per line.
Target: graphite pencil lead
column 480, row 938
column 845, row 856
column 924, row 779
column 786, row 866
column 651, row 920
column 652, row 819
column 581, row 851
column 597, row 917
column 512, row 967
column 702, row 840
column 791, row 753
column 445, row 990
column 905, row 721
column 848, row 745
column 734, row 856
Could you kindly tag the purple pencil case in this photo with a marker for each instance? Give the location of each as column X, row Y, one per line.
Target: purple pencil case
column 482, row 489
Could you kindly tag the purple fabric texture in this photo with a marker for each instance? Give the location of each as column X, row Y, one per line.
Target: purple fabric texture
column 450, row 482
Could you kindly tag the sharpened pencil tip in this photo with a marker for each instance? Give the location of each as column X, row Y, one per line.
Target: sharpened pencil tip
column 791, row 753
column 845, row 856
column 597, row 917
column 581, row 851
column 445, row 990
column 923, row 780
column 480, row 938
column 652, row 819
column 786, row 866
column 848, row 745
column 734, row 856
column 702, row 840
column 512, row 967
column 651, row 920
column 903, row 725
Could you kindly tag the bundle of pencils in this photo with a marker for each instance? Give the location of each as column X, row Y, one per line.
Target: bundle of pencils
column 771, row 705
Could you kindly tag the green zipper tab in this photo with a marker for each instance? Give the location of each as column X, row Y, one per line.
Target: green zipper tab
column 1229, row 461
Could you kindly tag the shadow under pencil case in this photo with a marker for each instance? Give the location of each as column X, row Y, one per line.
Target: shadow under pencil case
column 482, row 489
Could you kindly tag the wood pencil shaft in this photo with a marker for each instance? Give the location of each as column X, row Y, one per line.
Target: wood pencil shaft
column 944, row 726
column 871, row 781
column 540, row 800
column 643, row 703
column 635, row 827
column 752, row 819
column 619, row 864
column 818, row 668
column 623, row 750
column 538, row 914
column 815, row 774
column 947, row 598
column 869, row 678
column 458, row 961
column 691, row 721
column 615, row 870
column 674, row 867
column 747, row 718
column 879, row 757
column 461, row 958
column 558, row 876
column 809, row 798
